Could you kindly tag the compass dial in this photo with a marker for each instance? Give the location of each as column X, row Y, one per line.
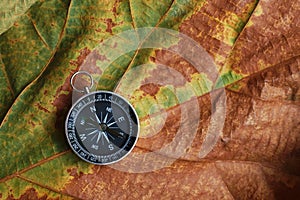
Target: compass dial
column 102, row 127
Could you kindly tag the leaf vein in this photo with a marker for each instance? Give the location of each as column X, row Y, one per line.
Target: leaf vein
column 18, row 173
column 8, row 80
column 263, row 70
column 46, row 187
column 38, row 33
column 45, row 66
column 131, row 14
column 141, row 43
column 224, row 182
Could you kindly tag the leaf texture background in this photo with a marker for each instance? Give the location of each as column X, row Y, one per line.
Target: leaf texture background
column 255, row 45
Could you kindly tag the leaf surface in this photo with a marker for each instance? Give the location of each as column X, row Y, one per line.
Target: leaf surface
column 255, row 46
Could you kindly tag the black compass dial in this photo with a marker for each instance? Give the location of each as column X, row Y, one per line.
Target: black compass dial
column 102, row 127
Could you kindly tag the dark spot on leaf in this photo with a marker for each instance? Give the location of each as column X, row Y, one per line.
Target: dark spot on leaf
column 150, row 88
column 110, row 24
column 90, row 63
column 30, row 193
column 114, row 9
column 83, row 54
column 75, row 173
column 31, row 122
column 13, row 41
column 40, row 107
column 72, row 172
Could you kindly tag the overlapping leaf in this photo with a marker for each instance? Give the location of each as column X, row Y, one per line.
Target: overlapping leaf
column 256, row 48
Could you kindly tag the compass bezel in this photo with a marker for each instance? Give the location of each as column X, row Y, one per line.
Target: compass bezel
column 73, row 137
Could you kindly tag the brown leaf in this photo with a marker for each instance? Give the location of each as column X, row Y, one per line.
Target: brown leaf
column 255, row 45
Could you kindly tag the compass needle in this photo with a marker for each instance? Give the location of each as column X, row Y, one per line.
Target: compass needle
column 110, row 119
column 111, row 123
column 89, row 129
column 97, row 118
column 116, row 133
column 91, row 124
column 104, row 134
column 99, row 135
column 93, row 137
column 93, row 132
column 111, row 137
column 105, row 118
column 92, row 119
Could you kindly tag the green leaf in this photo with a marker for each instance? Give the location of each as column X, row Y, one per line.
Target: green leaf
column 254, row 46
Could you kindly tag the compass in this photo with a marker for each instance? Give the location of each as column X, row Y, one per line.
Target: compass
column 102, row 127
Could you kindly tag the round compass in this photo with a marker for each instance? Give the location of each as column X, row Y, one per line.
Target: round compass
column 102, row 127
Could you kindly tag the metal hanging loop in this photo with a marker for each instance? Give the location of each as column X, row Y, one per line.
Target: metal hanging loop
column 87, row 88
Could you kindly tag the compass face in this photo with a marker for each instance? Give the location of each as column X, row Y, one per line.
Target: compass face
column 102, row 127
